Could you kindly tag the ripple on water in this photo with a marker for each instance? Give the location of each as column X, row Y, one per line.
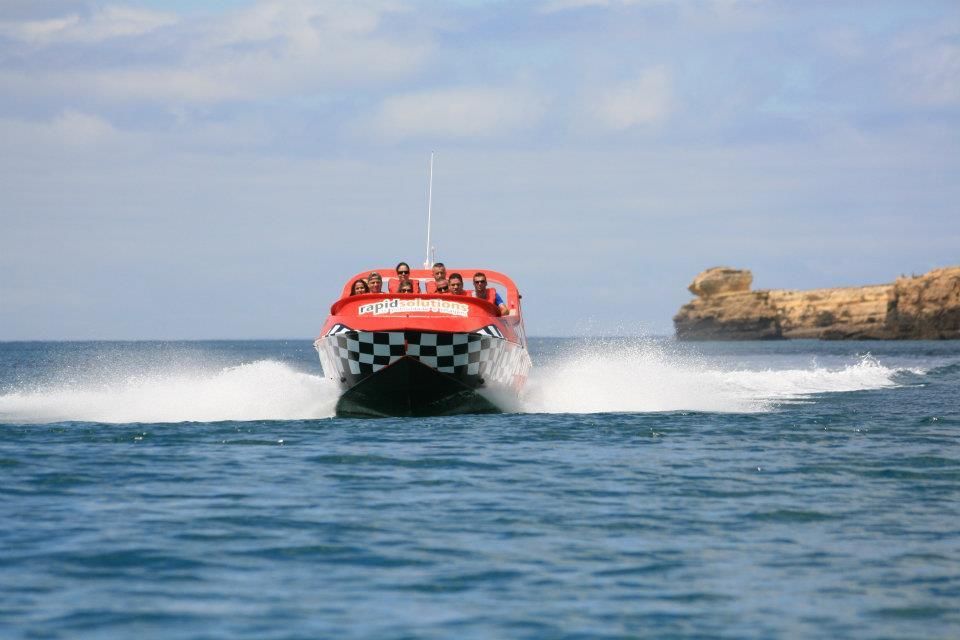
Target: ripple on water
column 405, row 463
column 913, row 613
column 789, row 516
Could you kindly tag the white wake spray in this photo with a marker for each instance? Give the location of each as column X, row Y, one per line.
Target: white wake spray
column 646, row 377
column 591, row 377
column 264, row 390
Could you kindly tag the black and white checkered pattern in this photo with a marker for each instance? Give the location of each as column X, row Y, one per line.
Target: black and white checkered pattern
column 449, row 352
column 507, row 364
column 352, row 355
column 338, row 328
column 363, row 352
column 490, row 330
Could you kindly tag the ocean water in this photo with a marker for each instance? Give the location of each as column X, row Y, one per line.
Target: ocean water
column 641, row 488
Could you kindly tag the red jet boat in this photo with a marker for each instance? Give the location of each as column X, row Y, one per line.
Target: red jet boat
column 425, row 354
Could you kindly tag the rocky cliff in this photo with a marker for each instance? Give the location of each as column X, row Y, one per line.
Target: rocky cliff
column 919, row 307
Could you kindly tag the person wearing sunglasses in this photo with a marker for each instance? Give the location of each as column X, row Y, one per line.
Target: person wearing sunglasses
column 482, row 291
column 403, row 275
column 443, row 286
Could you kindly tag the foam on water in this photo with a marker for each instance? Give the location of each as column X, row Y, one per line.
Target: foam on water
column 593, row 377
column 264, row 390
column 646, row 377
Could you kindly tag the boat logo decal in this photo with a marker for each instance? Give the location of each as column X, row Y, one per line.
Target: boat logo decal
column 418, row 305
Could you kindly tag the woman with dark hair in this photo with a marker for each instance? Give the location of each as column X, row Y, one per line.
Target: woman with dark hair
column 403, row 275
column 358, row 287
column 405, row 287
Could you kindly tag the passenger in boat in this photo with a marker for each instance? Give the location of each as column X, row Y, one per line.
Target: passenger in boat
column 442, row 286
column 403, row 275
column 439, row 273
column 480, row 290
column 375, row 282
column 359, row 286
column 405, row 287
column 456, row 284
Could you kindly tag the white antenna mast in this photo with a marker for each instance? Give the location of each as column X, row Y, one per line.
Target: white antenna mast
column 427, row 263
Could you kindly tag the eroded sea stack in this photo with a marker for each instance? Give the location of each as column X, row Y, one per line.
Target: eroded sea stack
column 923, row 307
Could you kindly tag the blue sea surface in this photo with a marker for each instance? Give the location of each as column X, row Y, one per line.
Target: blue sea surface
column 643, row 488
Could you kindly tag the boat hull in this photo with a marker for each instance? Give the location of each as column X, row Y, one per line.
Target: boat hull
column 409, row 388
column 421, row 373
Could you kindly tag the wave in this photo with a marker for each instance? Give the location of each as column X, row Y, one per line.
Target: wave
column 648, row 377
column 263, row 390
column 588, row 378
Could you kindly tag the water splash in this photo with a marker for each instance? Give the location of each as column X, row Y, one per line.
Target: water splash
column 647, row 376
column 263, row 390
column 587, row 377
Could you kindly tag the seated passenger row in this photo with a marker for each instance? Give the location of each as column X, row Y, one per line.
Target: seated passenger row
column 441, row 284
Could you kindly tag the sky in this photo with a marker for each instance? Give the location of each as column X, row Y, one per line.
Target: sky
column 218, row 169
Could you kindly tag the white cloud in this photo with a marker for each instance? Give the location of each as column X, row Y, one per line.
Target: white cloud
column 844, row 43
column 471, row 112
column 298, row 20
column 268, row 51
column 719, row 6
column 76, row 127
column 70, row 129
column 932, row 76
column 925, row 65
column 102, row 24
column 301, row 45
column 169, row 85
column 643, row 101
column 554, row 6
